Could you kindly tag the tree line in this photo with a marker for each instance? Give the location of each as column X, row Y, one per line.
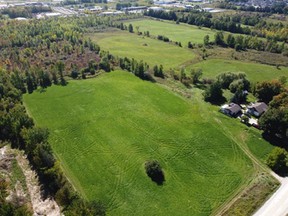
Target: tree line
column 241, row 42
column 277, row 32
column 277, row 7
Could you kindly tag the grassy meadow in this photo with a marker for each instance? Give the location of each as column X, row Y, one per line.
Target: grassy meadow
column 255, row 72
column 104, row 129
column 181, row 33
column 154, row 52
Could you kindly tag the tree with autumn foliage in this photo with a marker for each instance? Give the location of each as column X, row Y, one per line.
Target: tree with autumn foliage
column 274, row 121
column 266, row 90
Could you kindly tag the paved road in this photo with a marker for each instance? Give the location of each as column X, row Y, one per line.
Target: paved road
column 277, row 205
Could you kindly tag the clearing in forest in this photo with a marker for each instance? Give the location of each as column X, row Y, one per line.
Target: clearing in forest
column 255, row 72
column 176, row 32
column 152, row 51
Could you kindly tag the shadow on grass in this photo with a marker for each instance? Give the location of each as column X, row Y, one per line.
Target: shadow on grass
column 218, row 102
column 276, row 141
column 283, row 172
column 158, row 178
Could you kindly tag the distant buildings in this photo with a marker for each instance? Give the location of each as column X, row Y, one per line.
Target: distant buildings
column 195, row 1
column 21, row 18
column 110, row 13
column 139, row 9
column 156, row 8
column 3, row 6
column 164, row 2
column 259, row 3
column 47, row 15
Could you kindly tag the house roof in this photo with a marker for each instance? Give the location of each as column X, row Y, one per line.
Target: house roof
column 234, row 108
column 260, row 107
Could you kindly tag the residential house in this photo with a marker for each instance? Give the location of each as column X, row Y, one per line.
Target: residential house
column 231, row 109
column 257, row 109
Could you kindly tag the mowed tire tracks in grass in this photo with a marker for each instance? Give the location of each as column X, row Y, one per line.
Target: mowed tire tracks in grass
column 122, row 122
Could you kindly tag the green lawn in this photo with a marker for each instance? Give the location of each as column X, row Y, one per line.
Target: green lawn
column 104, row 129
column 154, row 52
column 181, row 32
column 255, row 72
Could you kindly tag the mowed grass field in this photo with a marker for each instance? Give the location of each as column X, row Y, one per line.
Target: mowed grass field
column 154, row 52
column 255, row 72
column 176, row 32
column 104, row 129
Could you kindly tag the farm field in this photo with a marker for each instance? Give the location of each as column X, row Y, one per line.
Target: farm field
column 181, row 32
column 255, row 72
column 104, row 129
column 154, row 52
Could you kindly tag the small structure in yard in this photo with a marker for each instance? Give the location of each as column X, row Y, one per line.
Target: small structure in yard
column 231, row 109
column 257, row 109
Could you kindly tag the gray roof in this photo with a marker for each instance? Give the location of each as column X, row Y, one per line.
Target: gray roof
column 260, row 107
column 234, row 108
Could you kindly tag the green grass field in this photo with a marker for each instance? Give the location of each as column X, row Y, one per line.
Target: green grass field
column 255, row 72
column 154, row 52
column 104, row 129
column 181, row 33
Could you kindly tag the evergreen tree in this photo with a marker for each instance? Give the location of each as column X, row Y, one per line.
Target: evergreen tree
column 130, row 28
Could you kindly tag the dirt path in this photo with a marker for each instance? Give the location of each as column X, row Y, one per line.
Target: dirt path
column 47, row 207
column 277, row 205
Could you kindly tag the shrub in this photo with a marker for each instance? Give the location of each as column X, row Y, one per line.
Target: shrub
column 245, row 119
column 154, row 171
column 74, row 74
column 277, row 160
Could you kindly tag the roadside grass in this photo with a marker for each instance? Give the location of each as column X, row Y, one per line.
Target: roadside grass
column 176, row 32
column 255, row 72
column 104, row 129
column 253, row 196
column 154, row 52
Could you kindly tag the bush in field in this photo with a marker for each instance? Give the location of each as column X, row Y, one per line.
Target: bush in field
column 154, row 171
